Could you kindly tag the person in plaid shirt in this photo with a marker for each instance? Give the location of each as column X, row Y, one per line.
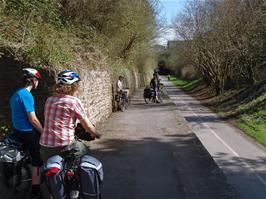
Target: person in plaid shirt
column 61, row 112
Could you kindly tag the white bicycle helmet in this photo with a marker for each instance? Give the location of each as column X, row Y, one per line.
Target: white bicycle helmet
column 31, row 72
column 68, row 77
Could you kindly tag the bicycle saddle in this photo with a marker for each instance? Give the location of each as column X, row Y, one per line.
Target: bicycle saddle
column 69, row 150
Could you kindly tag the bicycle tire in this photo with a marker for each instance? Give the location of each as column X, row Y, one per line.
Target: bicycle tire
column 146, row 101
column 122, row 106
column 126, row 104
column 159, row 96
column 160, row 99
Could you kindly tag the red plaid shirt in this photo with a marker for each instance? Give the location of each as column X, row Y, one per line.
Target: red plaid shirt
column 61, row 113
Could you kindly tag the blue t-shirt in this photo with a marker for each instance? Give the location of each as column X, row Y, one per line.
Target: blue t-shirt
column 21, row 103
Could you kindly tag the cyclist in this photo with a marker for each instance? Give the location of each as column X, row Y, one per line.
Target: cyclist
column 155, row 85
column 120, row 88
column 24, row 122
column 62, row 110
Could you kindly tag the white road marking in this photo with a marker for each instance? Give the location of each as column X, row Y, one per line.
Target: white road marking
column 223, row 142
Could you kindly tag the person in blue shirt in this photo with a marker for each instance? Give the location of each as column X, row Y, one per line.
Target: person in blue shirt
column 25, row 123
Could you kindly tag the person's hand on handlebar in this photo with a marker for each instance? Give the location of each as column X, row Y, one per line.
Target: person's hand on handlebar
column 95, row 135
column 90, row 127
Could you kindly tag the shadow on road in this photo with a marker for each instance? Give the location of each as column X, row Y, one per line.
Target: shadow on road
column 134, row 169
column 157, row 159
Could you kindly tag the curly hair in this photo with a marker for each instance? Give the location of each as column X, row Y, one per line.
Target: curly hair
column 64, row 89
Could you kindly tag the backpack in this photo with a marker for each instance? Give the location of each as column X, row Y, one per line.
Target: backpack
column 53, row 177
column 91, row 177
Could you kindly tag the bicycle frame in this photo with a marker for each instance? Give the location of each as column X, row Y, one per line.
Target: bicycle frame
column 71, row 174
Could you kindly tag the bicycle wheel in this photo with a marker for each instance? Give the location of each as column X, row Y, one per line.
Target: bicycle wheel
column 122, row 106
column 126, row 104
column 160, row 97
column 146, row 100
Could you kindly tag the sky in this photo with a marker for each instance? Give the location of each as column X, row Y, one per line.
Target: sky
column 169, row 9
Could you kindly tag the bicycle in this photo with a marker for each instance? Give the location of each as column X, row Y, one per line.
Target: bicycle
column 15, row 169
column 122, row 101
column 70, row 172
column 150, row 95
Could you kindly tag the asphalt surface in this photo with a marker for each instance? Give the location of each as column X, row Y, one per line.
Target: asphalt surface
column 168, row 151
column 149, row 152
column 240, row 158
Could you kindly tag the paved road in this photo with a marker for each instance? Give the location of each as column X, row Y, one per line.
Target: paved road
column 149, row 152
column 243, row 162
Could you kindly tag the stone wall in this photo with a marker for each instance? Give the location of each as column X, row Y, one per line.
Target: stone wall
column 95, row 91
column 96, row 94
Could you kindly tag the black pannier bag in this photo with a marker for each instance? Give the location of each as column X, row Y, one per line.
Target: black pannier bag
column 10, row 161
column 147, row 93
column 91, row 177
column 53, row 177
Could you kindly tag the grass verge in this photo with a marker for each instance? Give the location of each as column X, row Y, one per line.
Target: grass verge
column 186, row 85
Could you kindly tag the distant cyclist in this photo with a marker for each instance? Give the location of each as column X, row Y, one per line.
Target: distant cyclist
column 154, row 85
column 62, row 110
column 24, row 121
column 120, row 87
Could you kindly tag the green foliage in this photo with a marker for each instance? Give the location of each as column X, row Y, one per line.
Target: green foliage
column 178, row 61
column 5, row 129
column 254, row 125
column 118, row 68
column 36, row 31
column 247, row 106
column 55, row 32
column 178, row 82
column 186, row 85
column 34, row 10
column 241, row 101
column 193, row 84
column 225, row 40
column 52, row 48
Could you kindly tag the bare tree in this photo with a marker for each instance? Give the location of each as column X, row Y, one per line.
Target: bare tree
column 225, row 38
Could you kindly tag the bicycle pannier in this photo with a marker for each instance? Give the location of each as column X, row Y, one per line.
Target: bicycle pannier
column 91, row 176
column 54, row 177
column 10, row 162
